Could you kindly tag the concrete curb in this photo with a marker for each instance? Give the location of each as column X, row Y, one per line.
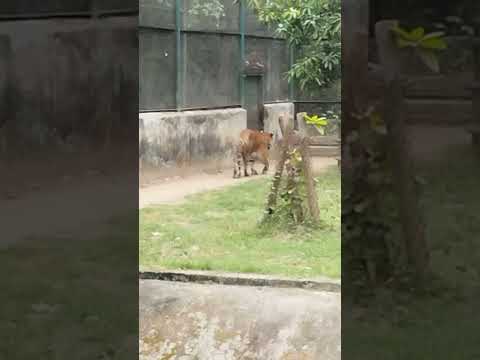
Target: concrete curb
column 207, row 277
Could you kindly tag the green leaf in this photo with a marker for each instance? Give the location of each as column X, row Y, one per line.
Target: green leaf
column 402, row 43
column 430, row 59
column 433, row 43
column 417, row 34
column 414, row 35
column 417, row 37
column 376, row 120
column 401, row 32
column 435, row 34
column 316, row 120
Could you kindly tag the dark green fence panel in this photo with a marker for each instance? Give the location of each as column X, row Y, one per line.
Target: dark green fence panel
column 211, row 15
column 157, row 69
column 209, row 45
column 211, row 70
column 256, row 28
column 157, row 14
column 274, row 55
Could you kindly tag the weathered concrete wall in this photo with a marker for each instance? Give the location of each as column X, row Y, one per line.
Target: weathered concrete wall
column 210, row 322
column 4, row 78
column 186, row 138
column 271, row 115
column 69, row 77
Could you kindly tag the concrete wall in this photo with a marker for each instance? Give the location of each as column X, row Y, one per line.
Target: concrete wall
column 187, row 138
column 197, row 139
column 68, row 77
column 215, row 322
column 271, row 114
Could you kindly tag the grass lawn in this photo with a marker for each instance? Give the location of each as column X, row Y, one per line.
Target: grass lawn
column 220, row 230
column 57, row 297
column 443, row 324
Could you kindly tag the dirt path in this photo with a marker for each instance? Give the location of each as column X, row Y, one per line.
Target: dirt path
column 67, row 211
column 177, row 188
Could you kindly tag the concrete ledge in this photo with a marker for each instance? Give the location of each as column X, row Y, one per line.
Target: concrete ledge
column 271, row 115
column 439, row 111
column 188, row 321
column 325, row 151
column 208, row 277
column 190, row 137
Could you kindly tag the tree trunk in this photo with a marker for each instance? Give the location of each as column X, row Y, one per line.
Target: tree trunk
column 309, row 180
column 410, row 214
column 277, row 180
column 286, row 128
column 296, row 205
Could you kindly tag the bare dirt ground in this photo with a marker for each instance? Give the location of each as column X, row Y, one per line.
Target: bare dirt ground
column 66, row 213
column 175, row 188
column 60, row 195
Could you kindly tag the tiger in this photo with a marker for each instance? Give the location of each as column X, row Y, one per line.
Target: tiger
column 252, row 145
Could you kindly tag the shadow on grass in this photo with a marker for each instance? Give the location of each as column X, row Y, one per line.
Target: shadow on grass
column 440, row 322
column 57, row 296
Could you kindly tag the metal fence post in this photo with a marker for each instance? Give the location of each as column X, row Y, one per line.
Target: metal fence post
column 179, row 56
column 242, row 50
column 291, row 83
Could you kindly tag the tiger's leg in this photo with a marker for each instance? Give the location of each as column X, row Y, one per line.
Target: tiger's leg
column 264, row 160
column 245, row 164
column 252, row 165
column 237, row 168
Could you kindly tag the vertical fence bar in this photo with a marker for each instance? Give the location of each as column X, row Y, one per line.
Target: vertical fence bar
column 242, row 50
column 291, row 61
column 179, row 54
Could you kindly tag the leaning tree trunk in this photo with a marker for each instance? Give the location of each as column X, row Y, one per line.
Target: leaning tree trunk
column 277, row 180
column 286, row 130
column 309, row 181
column 296, row 203
column 293, row 141
column 410, row 214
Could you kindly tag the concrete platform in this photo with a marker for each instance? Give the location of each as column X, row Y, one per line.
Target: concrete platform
column 186, row 321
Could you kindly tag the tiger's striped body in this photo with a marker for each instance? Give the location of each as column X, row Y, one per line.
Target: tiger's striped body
column 252, row 145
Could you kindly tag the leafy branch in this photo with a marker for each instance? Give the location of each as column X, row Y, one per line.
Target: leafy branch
column 313, row 28
column 319, row 122
column 425, row 45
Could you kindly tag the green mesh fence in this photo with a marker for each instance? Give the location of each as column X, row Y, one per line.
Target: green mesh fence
column 192, row 55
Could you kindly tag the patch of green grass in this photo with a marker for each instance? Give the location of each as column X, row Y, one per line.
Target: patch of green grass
column 433, row 329
column 57, row 297
column 221, row 230
column 442, row 324
column 452, row 203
